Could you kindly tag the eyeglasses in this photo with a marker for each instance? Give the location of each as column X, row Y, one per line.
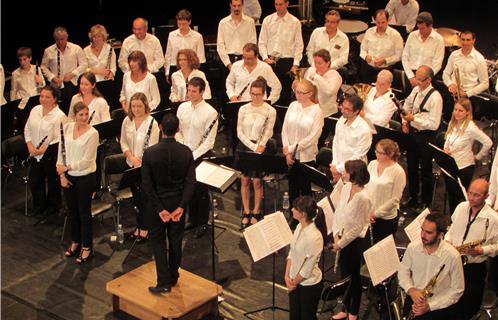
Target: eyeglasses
column 302, row 92
column 380, row 152
column 421, row 80
column 256, row 94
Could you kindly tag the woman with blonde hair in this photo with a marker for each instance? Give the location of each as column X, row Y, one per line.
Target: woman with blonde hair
column 100, row 55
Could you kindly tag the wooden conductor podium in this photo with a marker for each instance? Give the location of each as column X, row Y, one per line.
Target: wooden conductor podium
column 192, row 298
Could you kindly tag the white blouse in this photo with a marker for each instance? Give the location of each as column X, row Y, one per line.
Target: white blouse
column 102, row 60
column 255, row 122
column 179, row 85
column 23, row 84
column 147, row 86
column 133, row 138
column 327, row 86
column 378, row 111
column 98, row 105
column 81, row 153
column 302, row 128
column 386, row 190
column 460, row 145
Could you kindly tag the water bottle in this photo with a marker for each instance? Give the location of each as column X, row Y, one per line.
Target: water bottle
column 224, row 151
column 215, row 208
column 120, row 234
column 285, row 202
column 401, row 220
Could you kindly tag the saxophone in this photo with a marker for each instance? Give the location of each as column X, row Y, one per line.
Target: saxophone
column 428, row 290
column 472, row 244
column 458, row 81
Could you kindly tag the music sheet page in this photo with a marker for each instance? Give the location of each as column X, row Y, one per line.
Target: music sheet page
column 382, row 260
column 413, row 229
column 212, row 174
column 329, row 213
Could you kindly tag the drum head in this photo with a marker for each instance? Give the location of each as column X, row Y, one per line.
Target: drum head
column 352, row 26
column 341, row 1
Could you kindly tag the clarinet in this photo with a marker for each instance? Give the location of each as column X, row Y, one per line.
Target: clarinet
column 63, row 146
column 147, row 136
column 397, row 103
column 371, row 232
column 207, row 132
column 243, row 90
column 338, row 254
column 26, row 162
column 263, row 129
column 109, row 57
column 37, row 72
column 91, row 116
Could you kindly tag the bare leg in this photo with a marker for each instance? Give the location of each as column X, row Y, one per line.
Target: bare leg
column 245, row 192
column 258, row 198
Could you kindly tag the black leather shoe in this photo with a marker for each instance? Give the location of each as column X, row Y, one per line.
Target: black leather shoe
column 159, row 289
column 174, row 282
column 200, row 231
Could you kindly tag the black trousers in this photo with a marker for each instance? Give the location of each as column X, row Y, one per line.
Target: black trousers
column 303, row 302
column 383, row 228
column 299, row 184
column 419, row 153
column 281, row 69
column 349, row 264
column 166, row 265
column 79, row 201
column 199, row 205
column 449, row 313
column 456, row 196
column 475, row 281
column 44, row 199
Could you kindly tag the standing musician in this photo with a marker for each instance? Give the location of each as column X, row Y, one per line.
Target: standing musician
column 379, row 106
column 302, row 127
column 331, row 39
column 27, row 80
column 92, row 98
column 188, row 64
column 403, row 13
column 349, row 227
column 198, row 128
column 474, row 230
column 254, row 128
column 281, row 45
column 327, row 82
column 138, row 131
column 460, row 137
column 44, row 121
column 139, row 79
column 431, row 258
column 101, row 56
column 303, row 276
column 76, row 165
column 245, row 71
column 422, row 118
column 386, row 185
column 168, row 181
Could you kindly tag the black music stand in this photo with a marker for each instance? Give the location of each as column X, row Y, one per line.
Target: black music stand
column 159, row 114
column 9, row 113
column 23, row 114
column 316, row 177
column 329, row 123
column 108, row 89
column 109, row 129
column 402, row 139
column 230, row 112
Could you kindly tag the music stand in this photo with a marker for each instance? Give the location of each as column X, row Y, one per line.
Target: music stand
column 23, row 114
column 230, row 112
column 402, row 139
column 109, row 129
column 108, row 90
column 9, row 119
column 159, row 114
column 316, row 177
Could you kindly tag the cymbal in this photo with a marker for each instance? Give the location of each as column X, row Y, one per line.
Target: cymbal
column 450, row 36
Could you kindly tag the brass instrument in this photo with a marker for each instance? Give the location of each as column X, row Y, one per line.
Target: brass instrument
column 472, row 244
column 298, row 73
column 458, row 81
column 338, row 253
column 398, row 304
column 362, row 89
column 428, row 290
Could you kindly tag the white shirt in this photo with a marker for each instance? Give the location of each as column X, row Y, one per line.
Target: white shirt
column 81, row 153
column 38, row 126
column 255, row 122
column 327, row 86
column 424, row 120
column 147, row 86
column 460, row 145
column 133, row 138
column 252, row 8
column 151, row 48
column 232, row 37
column 72, row 60
column 352, row 217
column 194, row 124
column 473, row 71
column 477, row 230
column 2, row 85
column 386, row 190
column 351, row 142
column 177, row 41
column 302, row 128
column 281, row 37
column 98, row 104
column 239, row 77
column 305, row 249
column 403, row 15
column 493, row 185
column 23, row 84
column 179, row 85
column 102, row 60
column 378, row 111
column 418, row 267
column 388, row 45
column 418, row 52
column 338, row 47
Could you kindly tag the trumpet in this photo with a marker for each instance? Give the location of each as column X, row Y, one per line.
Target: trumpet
column 458, row 81
column 362, row 89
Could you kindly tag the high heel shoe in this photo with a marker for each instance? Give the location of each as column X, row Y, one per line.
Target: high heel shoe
column 70, row 252
column 247, row 216
column 81, row 259
column 256, row 216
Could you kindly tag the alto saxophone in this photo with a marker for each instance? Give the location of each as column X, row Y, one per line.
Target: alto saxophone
column 427, row 292
column 472, row 244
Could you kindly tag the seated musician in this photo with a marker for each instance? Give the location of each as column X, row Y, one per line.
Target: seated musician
column 403, row 13
column 379, row 106
column 431, row 273
column 188, row 68
column 474, row 232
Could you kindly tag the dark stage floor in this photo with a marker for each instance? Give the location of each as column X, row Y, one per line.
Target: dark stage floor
column 38, row 282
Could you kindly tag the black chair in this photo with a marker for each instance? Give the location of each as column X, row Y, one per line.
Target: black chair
column 115, row 165
column 334, row 292
column 323, row 160
column 14, row 150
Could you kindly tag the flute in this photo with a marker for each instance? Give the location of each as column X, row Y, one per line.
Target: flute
column 338, row 253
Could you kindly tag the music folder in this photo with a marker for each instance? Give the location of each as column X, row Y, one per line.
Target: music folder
column 413, row 229
column 382, row 260
column 387, row 133
column 216, row 177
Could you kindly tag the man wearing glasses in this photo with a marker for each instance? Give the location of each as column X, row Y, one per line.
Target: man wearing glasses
column 421, row 120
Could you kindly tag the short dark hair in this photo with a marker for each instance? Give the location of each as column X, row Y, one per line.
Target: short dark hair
column 24, row 52
column 324, row 54
column 198, row 82
column 251, row 47
column 439, row 219
column 469, row 32
column 358, row 172
column 56, row 93
column 355, row 101
column 169, row 124
column 425, row 17
column 184, row 15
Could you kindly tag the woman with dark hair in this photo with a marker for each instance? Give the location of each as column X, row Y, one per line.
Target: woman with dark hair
column 350, row 225
column 139, row 79
column 91, row 97
column 76, row 165
column 188, row 68
column 303, row 276
column 254, row 128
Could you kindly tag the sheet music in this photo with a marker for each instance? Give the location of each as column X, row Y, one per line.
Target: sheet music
column 458, row 181
column 413, row 229
column 382, row 260
column 328, row 212
column 212, row 174
column 267, row 236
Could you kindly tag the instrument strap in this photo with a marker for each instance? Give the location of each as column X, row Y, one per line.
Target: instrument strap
column 470, row 222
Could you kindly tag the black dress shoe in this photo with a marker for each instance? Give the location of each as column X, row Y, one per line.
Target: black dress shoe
column 159, row 289
column 174, row 281
column 200, row 231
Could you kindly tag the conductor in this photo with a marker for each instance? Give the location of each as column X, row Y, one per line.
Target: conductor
column 168, row 181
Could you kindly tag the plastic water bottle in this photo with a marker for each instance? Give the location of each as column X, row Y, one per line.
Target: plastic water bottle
column 285, row 202
column 120, row 234
column 215, row 208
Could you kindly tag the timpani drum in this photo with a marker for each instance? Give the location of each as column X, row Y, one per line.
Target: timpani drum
column 352, row 26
